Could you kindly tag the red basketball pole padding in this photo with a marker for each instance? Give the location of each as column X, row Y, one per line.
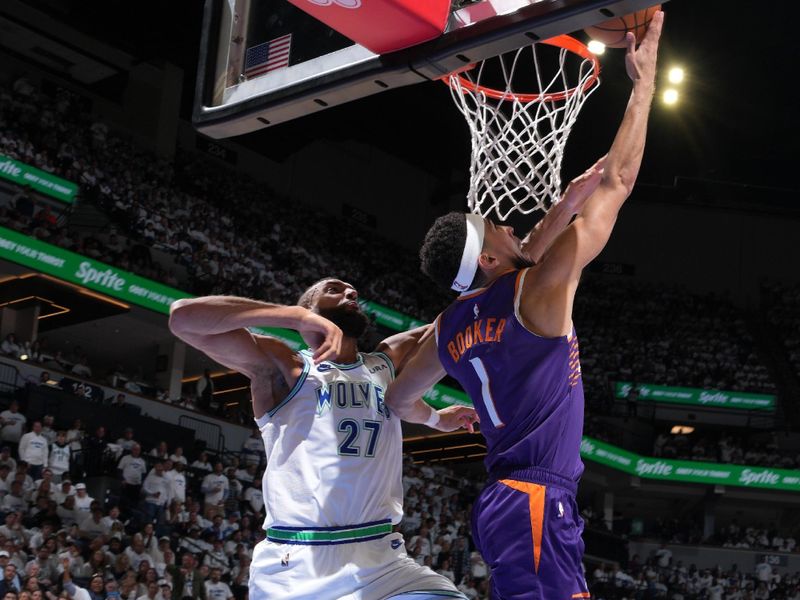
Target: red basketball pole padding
column 381, row 26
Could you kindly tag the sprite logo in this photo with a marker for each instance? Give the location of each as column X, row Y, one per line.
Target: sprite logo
column 766, row 476
column 587, row 447
column 713, row 398
column 108, row 278
column 658, row 468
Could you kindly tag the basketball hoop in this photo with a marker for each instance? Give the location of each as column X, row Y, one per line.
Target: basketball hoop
column 518, row 139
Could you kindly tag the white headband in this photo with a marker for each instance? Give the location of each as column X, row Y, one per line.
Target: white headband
column 472, row 250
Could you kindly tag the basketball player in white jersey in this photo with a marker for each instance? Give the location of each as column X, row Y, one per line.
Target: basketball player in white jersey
column 333, row 481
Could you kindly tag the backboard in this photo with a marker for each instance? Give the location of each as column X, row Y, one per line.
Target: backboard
column 264, row 62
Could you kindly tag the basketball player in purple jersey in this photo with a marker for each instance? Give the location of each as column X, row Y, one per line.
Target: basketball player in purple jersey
column 509, row 340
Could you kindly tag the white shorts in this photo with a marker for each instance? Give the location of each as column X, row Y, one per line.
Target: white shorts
column 369, row 570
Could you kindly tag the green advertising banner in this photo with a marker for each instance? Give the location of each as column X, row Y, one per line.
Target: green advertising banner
column 84, row 271
column 41, row 181
column 680, row 395
column 391, row 319
column 128, row 287
column 687, row 470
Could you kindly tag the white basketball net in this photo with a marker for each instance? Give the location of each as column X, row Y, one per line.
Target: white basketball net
column 518, row 139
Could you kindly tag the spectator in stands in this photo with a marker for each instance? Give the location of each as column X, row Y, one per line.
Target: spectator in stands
column 126, row 442
column 10, row 346
column 81, row 367
column 215, row 488
column 83, row 501
column 253, row 448
column 132, row 469
column 157, row 491
column 187, row 580
column 204, row 389
column 202, row 464
column 160, row 452
column 178, row 457
column 216, row 589
column 33, row 449
column 177, row 482
column 10, row 582
column 13, row 423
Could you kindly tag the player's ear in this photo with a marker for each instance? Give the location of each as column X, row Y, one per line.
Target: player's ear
column 487, row 262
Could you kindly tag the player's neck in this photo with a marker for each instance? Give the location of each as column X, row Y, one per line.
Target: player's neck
column 495, row 274
column 349, row 352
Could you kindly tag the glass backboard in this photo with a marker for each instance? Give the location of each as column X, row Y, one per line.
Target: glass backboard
column 264, row 62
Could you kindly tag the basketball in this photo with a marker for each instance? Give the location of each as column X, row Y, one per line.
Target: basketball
column 612, row 32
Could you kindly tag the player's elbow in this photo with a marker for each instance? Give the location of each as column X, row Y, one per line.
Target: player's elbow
column 180, row 316
column 620, row 183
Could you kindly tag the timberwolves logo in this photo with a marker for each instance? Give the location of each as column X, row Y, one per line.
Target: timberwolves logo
column 342, row 3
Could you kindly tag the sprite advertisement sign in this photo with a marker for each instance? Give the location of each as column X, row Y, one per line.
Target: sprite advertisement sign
column 126, row 286
column 680, row 395
column 688, row 470
column 41, row 181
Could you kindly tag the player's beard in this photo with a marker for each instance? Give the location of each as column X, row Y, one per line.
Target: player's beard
column 353, row 323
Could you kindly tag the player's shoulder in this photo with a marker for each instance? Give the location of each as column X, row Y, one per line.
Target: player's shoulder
column 378, row 363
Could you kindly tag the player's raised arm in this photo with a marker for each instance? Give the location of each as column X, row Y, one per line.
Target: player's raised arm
column 572, row 201
column 217, row 326
column 582, row 241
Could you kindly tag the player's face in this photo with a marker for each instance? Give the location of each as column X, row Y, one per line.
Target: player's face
column 338, row 301
column 500, row 242
column 333, row 293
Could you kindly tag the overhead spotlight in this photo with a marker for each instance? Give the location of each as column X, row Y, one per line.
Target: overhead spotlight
column 23, row 357
column 596, row 47
column 670, row 96
column 675, row 75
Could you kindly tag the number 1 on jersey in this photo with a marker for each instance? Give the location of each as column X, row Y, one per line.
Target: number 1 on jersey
column 486, row 391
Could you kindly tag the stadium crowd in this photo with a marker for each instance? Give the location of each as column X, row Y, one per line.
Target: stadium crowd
column 185, row 529
column 783, row 312
column 166, row 525
column 635, row 331
column 659, row 576
column 193, row 224
column 725, row 448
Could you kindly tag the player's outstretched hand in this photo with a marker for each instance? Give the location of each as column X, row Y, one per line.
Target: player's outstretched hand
column 322, row 336
column 456, row 417
column 641, row 63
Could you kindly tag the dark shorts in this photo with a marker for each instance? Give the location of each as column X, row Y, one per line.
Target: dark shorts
column 527, row 528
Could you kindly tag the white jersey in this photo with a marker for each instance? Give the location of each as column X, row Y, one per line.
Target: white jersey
column 334, row 450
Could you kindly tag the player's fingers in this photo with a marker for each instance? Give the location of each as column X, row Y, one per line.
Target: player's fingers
column 325, row 351
column 630, row 39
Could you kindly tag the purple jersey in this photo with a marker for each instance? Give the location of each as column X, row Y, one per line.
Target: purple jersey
column 526, row 388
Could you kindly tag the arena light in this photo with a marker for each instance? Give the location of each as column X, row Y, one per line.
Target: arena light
column 23, row 357
column 676, row 75
column 684, row 429
column 596, row 47
column 670, row 97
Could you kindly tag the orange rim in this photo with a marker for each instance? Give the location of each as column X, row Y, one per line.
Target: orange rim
column 560, row 41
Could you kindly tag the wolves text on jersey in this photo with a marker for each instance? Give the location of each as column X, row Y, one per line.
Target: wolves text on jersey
column 353, row 394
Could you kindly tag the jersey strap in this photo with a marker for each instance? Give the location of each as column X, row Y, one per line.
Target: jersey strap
column 326, row 536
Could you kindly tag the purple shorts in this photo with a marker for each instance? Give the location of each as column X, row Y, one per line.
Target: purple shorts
column 526, row 526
